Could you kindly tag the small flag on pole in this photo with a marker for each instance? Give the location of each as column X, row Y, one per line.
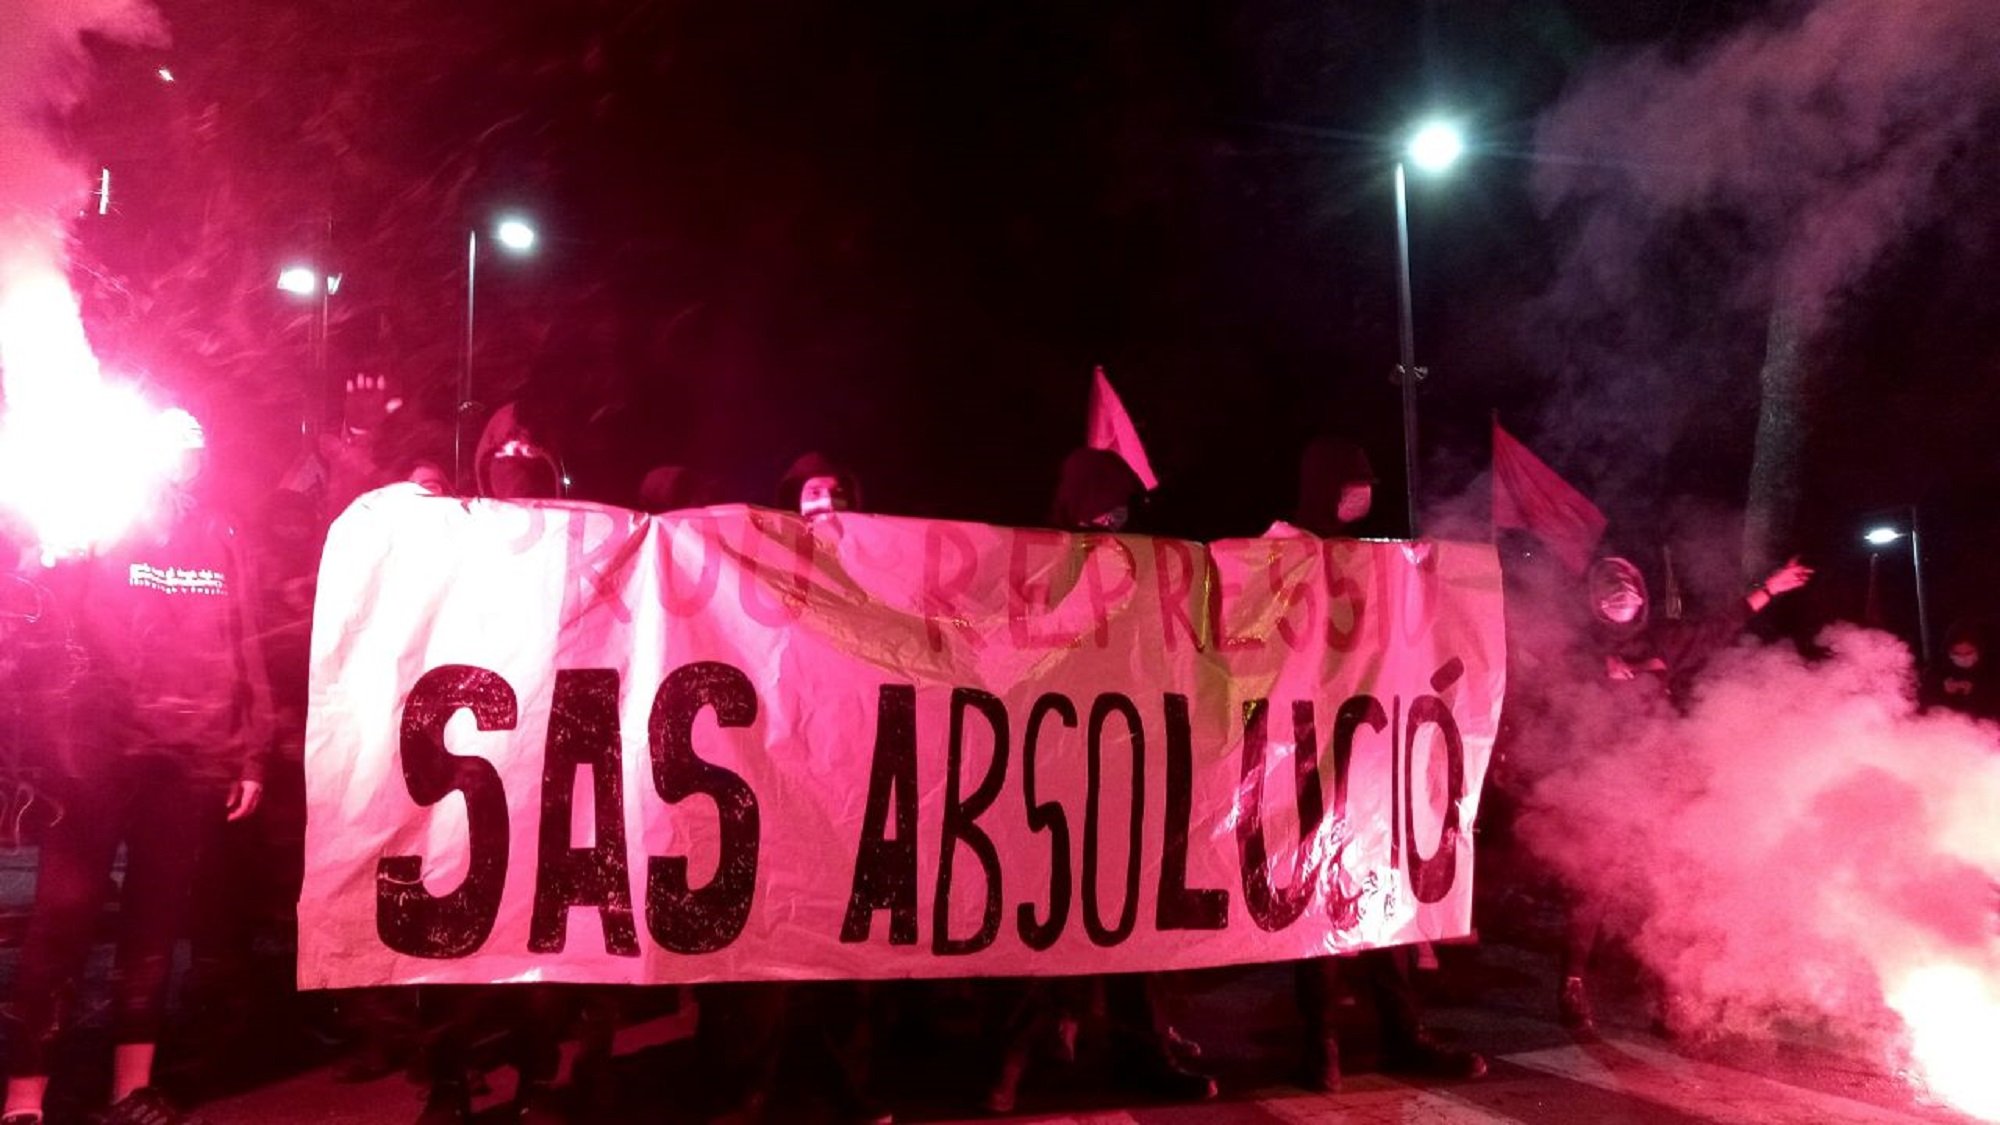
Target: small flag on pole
column 1528, row 495
column 1111, row 429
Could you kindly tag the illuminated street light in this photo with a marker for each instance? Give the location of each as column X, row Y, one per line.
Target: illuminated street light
column 1882, row 535
column 300, row 281
column 514, row 234
column 1436, row 146
column 1432, row 148
column 307, row 281
column 304, row 281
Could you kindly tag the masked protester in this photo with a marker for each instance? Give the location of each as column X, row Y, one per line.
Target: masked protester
column 1646, row 664
column 816, row 486
column 165, row 735
column 1336, row 496
column 673, row 488
column 1336, row 492
column 1096, row 491
column 770, row 1046
column 1963, row 681
column 526, row 1021
column 512, row 462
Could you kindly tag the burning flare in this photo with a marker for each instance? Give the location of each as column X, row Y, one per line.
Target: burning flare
column 79, row 455
column 82, row 457
column 1953, row 1014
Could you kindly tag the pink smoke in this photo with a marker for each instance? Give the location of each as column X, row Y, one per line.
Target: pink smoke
column 69, row 467
column 1825, row 133
column 1703, row 194
column 1802, row 848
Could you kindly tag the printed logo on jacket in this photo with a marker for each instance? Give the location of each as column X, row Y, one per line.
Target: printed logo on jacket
column 178, row 579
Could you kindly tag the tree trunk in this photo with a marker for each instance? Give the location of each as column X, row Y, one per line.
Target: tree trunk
column 1771, row 512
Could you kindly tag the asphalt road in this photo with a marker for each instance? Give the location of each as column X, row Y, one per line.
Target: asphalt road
column 1495, row 998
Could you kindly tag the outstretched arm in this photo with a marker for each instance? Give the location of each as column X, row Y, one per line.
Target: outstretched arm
column 1783, row 580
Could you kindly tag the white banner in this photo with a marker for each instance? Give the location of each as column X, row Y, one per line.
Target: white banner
column 568, row 742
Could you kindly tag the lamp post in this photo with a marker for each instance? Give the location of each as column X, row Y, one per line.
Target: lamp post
column 1881, row 536
column 309, row 282
column 1432, row 148
column 517, row 236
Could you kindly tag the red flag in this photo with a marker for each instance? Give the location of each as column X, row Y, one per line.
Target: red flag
column 1111, row 429
column 1528, row 495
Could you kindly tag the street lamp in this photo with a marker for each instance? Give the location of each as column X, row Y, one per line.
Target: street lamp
column 1432, row 148
column 1882, row 535
column 1436, row 146
column 299, row 281
column 516, row 235
column 307, row 281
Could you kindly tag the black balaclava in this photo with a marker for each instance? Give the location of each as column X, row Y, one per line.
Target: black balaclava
column 1610, row 576
column 512, row 464
column 1325, row 467
column 1093, row 483
column 670, row 488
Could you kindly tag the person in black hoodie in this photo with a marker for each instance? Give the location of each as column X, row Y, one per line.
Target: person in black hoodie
column 1963, row 681
column 513, row 462
column 1096, row 491
column 1646, row 666
column 165, row 735
column 769, row 1046
column 1335, row 499
column 1336, row 492
column 674, row 488
column 815, row 486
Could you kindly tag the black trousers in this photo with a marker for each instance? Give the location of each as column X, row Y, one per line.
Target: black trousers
column 165, row 817
column 1384, row 974
column 523, row 1023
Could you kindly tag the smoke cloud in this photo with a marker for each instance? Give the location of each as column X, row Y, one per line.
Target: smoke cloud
column 1800, row 848
column 78, row 453
column 1700, row 194
column 43, row 71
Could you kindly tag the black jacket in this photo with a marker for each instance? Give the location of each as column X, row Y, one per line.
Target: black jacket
column 165, row 625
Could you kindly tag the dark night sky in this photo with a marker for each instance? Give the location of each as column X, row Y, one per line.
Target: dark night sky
column 904, row 232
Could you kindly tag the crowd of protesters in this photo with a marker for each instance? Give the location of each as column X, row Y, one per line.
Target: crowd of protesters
column 184, row 703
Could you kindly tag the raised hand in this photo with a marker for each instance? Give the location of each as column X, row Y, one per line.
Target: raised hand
column 1788, row 577
column 368, row 404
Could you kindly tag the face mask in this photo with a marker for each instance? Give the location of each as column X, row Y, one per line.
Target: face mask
column 1621, row 608
column 524, row 478
column 1113, row 520
column 1617, row 592
column 1356, row 500
column 821, row 495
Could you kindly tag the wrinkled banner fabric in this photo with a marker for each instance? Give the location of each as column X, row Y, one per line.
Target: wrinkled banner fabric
column 567, row 742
